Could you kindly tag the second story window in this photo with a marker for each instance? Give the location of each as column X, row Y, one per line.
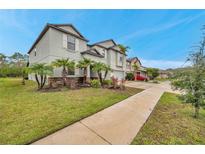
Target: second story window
column 71, row 43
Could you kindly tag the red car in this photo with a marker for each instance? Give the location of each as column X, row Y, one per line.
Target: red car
column 140, row 77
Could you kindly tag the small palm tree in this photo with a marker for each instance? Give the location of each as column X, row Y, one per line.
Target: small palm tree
column 70, row 66
column 107, row 68
column 99, row 67
column 41, row 70
column 62, row 63
column 83, row 64
column 123, row 48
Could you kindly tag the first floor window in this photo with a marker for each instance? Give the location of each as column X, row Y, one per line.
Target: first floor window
column 71, row 43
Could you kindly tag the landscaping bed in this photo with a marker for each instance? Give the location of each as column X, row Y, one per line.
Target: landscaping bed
column 172, row 122
column 27, row 114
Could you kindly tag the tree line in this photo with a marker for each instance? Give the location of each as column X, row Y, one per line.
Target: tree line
column 12, row 66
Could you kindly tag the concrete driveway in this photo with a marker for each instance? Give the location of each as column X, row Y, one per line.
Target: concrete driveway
column 118, row 124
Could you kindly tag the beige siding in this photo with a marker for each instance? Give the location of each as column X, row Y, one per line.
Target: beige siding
column 69, row 29
column 41, row 49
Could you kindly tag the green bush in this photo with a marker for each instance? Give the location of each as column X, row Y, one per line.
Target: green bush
column 129, row 76
column 95, row 83
column 8, row 71
column 107, row 82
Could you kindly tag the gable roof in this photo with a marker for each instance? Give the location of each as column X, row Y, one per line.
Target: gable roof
column 111, row 47
column 55, row 26
column 98, row 43
column 116, row 49
column 70, row 25
column 93, row 52
column 133, row 58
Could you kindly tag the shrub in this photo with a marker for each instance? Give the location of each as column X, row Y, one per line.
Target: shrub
column 95, row 83
column 107, row 82
column 129, row 76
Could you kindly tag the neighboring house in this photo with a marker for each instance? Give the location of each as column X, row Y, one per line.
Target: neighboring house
column 58, row 41
column 140, row 73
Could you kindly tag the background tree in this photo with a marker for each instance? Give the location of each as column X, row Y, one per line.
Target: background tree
column 41, row 71
column 123, row 48
column 83, row 64
column 17, row 59
column 12, row 66
column 2, row 59
column 152, row 72
column 192, row 80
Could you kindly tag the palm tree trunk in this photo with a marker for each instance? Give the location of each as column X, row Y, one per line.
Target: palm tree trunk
column 44, row 81
column 85, row 75
column 64, row 73
column 36, row 77
column 105, row 75
column 41, row 82
column 100, row 77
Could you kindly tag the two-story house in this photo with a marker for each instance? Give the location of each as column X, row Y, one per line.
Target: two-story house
column 139, row 72
column 57, row 41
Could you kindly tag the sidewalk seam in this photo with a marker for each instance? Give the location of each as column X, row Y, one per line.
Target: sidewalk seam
column 95, row 133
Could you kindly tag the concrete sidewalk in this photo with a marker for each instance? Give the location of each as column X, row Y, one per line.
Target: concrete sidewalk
column 117, row 124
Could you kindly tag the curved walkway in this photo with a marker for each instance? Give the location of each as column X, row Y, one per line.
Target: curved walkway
column 117, row 124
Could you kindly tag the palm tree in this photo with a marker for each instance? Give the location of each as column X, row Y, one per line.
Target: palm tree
column 123, row 48
column 41, row 70
column 107, row 68
column 61, row 63
column 83, row 64
column 99, row 67
column 65, row 63
column 70, row 66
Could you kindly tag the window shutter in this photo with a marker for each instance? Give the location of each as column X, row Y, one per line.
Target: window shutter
column 65, row 41
column 76, row 44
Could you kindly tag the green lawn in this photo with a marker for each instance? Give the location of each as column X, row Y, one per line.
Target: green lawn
column 172, row 122
column 27, row 115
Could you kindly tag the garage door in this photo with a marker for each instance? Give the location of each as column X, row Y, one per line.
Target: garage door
column 118, row 74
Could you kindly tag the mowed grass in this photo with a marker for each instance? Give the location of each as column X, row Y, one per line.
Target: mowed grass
column 172, row 122
column 27, row 115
